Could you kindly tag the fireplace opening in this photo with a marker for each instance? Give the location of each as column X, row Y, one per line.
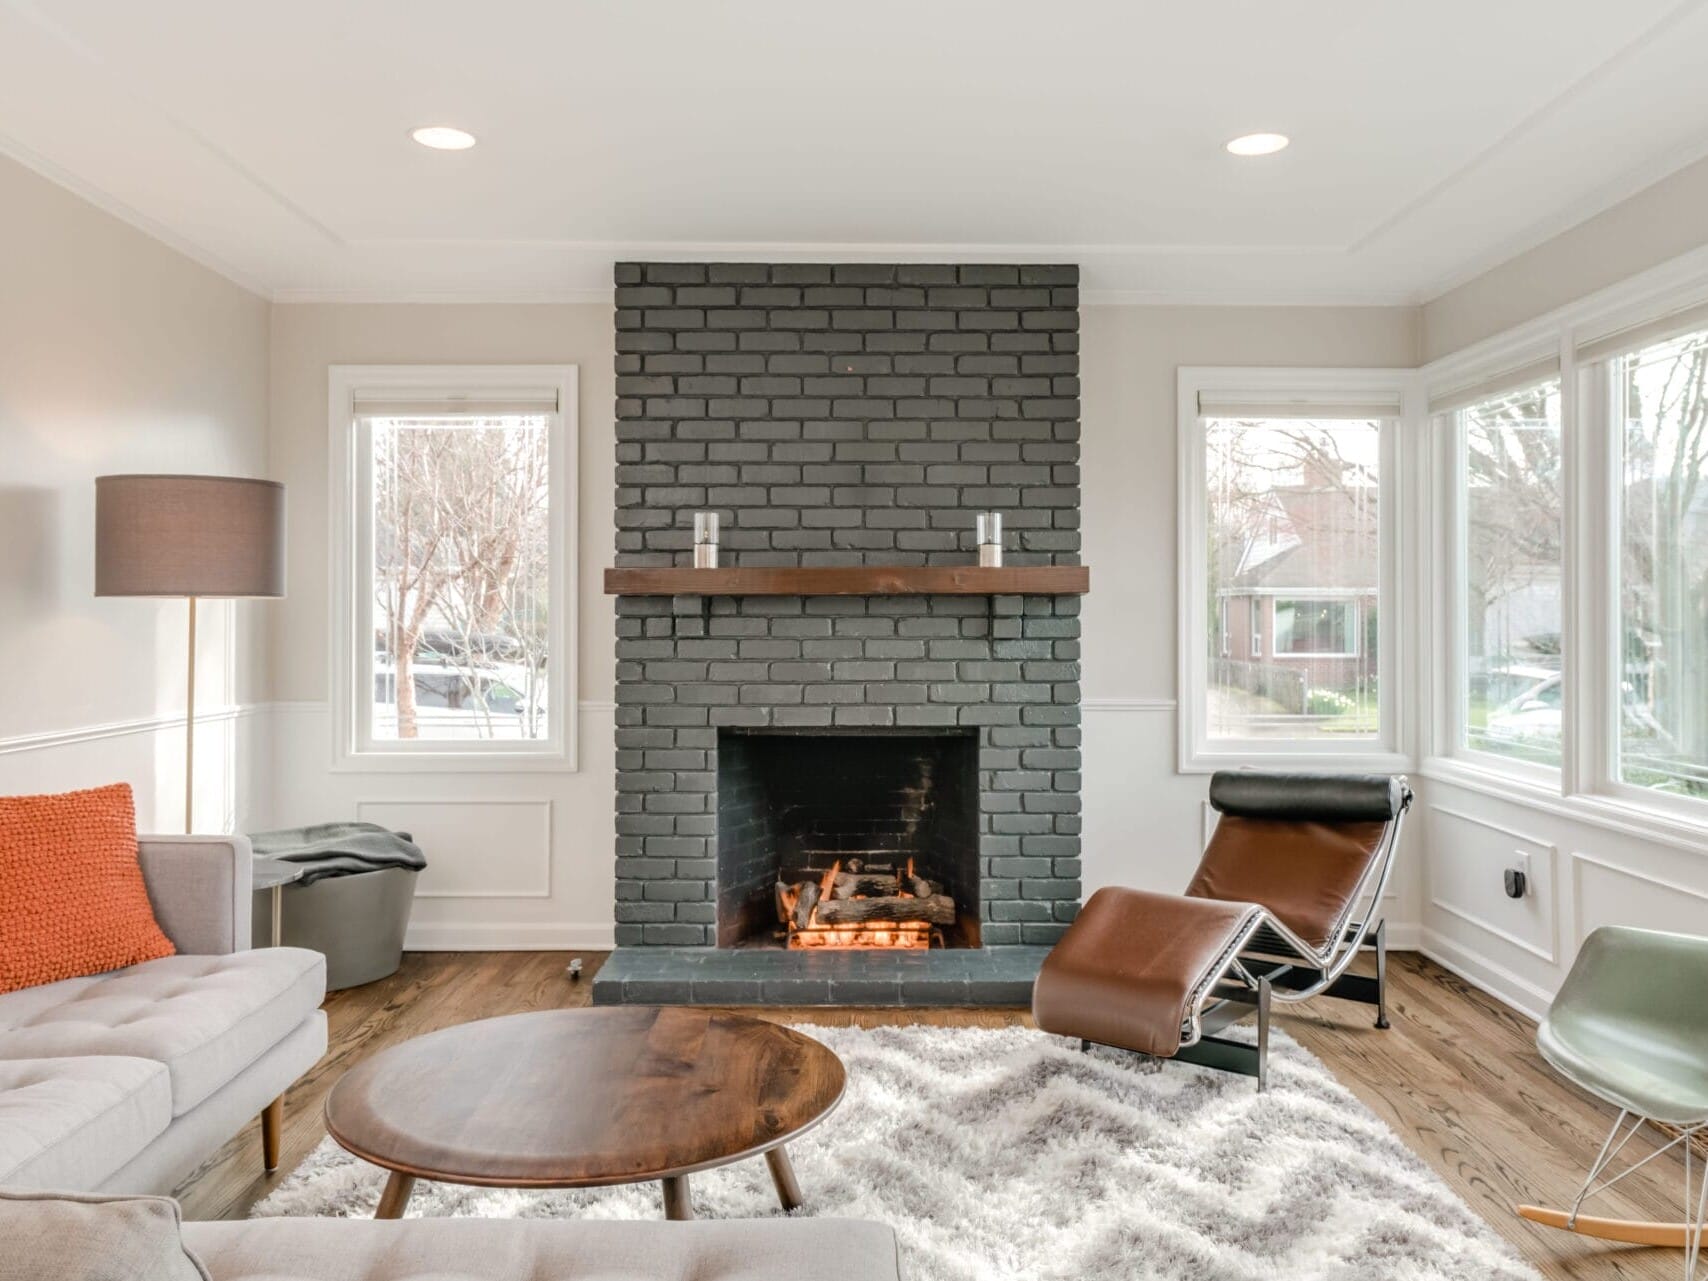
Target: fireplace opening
column 864, row 839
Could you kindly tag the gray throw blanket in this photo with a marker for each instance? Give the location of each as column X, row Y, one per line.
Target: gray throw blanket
column 339, row 849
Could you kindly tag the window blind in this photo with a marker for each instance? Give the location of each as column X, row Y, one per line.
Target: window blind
column 1449, row 399
column 1631, row 337
column 1359, row 405
column 415, row 403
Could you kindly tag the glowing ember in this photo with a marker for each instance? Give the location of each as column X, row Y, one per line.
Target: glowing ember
column 906, row 934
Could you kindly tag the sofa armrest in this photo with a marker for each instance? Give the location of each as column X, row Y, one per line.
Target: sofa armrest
column 200, row 888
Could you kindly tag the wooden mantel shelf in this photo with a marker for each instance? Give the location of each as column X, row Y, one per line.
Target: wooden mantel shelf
column 852, row 580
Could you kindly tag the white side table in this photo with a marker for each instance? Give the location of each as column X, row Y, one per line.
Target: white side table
column 274, row 874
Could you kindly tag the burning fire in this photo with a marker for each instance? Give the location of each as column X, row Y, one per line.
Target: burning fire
column 895, row 934
column 886, row 934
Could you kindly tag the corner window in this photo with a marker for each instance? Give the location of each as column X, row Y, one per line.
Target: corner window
column 457, row 568
column 1660, row 421
column 1286, row 547
column 1511, row 528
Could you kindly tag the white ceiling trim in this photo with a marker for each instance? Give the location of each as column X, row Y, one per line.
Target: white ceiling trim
column 1528, row 125
column 604, row 296
column 107, row 204
column 33, row 15
column 1620, row 189
column 385, row 297
column 837, row 251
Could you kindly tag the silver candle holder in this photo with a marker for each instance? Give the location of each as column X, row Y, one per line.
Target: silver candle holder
column 705, row 540
column 989, row 525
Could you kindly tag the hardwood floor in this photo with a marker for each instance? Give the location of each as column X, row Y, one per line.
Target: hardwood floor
column 1457, row 1076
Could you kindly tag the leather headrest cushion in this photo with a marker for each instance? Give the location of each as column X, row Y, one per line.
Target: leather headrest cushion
column 1309, row 798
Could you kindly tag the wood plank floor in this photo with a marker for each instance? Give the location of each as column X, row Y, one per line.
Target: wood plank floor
column 1457, row 1076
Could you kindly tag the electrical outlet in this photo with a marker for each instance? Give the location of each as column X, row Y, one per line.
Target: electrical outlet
column 1521, row 863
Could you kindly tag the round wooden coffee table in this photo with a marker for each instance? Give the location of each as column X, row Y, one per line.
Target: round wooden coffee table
column 585, row 1098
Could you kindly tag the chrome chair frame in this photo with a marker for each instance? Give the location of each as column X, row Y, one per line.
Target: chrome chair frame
column 1255, row 972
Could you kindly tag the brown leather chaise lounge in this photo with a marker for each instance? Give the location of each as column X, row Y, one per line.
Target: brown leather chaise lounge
column 1288, row 891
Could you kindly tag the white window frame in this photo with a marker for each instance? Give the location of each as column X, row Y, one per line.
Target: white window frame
column 1199, row 753
column 1599, row 395
column 353, row 747
column 1452, row 646
column 1587, row 787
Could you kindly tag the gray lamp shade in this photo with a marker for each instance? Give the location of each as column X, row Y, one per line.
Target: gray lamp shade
column 189, row 536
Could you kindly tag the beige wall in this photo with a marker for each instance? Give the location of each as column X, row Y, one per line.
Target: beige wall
column 516, row 858
column 1144, row 822
column 1129, row 359
column 556, row 887
column 1658, row 223
column 116, row 355
column 309, row 338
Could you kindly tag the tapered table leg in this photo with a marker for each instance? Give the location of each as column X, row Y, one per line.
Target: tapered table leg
column 395, row 1199
column 271, row 1118
column 783, row 1175
column 676, row 1202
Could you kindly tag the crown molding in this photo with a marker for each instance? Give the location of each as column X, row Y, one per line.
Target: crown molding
column 137, row 221
column 429, row 298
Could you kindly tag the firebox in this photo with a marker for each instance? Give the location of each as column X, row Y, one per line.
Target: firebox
column 865, row 839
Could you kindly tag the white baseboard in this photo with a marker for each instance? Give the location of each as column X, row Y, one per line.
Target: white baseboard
column 500, row 937
column 1405, row 936
column 1486, row 975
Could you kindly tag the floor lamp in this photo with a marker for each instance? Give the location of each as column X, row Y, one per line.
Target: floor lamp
column 189, row 537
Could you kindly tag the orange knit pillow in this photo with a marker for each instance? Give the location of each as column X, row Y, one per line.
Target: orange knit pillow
column 72, row 901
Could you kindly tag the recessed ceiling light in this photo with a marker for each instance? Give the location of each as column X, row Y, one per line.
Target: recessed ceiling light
column 1258, row 144
column 443, row 138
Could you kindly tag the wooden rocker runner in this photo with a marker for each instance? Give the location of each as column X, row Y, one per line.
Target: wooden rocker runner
column 1630, row 1025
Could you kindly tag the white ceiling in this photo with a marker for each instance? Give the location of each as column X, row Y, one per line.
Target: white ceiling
column 1431, row 140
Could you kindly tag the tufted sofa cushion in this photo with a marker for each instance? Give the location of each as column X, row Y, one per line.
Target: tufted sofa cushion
column 206, row 1018
column 543, row 1250
column 69, row 1123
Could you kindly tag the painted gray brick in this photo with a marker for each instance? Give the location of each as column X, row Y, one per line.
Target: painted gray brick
column 846, row 415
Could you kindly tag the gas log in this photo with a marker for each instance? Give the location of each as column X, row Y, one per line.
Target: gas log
column 867, row 894
column 868, row 885
column 938, row 909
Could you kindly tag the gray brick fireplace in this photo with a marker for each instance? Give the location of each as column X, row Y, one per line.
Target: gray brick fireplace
column 835, row 416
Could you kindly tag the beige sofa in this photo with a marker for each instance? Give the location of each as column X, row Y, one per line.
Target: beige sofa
column 63, row 1236
column 544, row 1250
column 127, row 1081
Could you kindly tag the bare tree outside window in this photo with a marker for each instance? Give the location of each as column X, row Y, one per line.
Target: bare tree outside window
column 1512, row 514
column 461, row 525
column 1294, row 555
column 1663, row 413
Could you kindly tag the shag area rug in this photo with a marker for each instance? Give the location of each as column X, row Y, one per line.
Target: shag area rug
column 1007, row 1155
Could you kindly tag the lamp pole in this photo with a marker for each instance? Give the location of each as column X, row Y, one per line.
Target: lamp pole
column 190, row 732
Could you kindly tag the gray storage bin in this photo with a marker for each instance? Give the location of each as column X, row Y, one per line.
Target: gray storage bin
column 357, row 921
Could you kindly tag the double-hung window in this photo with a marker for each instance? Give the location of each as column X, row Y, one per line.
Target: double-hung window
column 454, row 569
column 1507, row 464
column 1656, row 400
column 1288, row 554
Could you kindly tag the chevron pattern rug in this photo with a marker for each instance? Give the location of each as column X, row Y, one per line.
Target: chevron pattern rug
column 1007, row 1155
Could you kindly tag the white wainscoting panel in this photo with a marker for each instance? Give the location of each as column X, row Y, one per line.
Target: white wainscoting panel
column 482, row 847
column 1609, row 894
column 1146, row 824
column 515, row 861
column 233, row 750
column 1586, row 873
column 1468, row 857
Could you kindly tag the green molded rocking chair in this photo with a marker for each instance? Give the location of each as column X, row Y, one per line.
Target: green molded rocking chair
column 1630, row 1025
